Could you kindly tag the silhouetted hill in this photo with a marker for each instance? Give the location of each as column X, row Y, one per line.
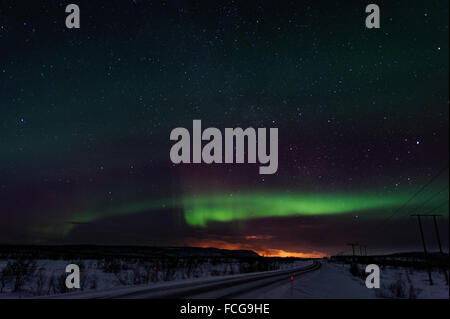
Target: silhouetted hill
column 96, row 252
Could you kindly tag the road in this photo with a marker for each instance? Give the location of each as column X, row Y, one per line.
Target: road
column 330, row 281
column 232, row 287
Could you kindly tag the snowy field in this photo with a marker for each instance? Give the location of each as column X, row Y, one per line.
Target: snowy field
column 21, row 279
column 332, row 280
column 397, row 282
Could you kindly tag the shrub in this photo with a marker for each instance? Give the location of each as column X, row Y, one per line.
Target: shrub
column 397, row 288
column 18, row 272
column 354, row 270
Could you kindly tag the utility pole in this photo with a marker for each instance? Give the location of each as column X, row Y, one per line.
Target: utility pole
column 423, row 242
column 421, row 232
column 436, row 228
column 437, row 232
column 353, row 251
column 353, row 247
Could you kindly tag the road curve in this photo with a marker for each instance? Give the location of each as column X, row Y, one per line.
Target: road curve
column 220, row 288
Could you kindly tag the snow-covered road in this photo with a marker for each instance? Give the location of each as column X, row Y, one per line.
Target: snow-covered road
column 330, row 281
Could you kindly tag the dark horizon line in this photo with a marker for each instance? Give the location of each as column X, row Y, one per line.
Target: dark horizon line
column 418, row 252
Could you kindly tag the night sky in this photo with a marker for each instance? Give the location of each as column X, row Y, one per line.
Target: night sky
column 362, row 115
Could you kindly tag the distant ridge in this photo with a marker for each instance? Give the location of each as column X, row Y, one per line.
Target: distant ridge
column 104, row 251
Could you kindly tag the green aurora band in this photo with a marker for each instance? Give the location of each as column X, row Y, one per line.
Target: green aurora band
column 200, row 210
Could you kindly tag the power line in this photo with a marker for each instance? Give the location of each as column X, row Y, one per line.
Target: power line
column 429, row 199
column 437, row 207
column 432, row 210
column 414, row 195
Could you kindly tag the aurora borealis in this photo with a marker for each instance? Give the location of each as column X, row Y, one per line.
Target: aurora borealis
column 198, row 211
column 85, row 118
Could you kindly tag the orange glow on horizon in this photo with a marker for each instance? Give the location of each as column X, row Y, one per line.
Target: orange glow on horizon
column 284, row 253
column 262, row 252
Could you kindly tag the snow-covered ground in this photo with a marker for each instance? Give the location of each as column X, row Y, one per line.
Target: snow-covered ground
column 47, row 277
column 334, row 281
column 400, row 282
column 412, row 284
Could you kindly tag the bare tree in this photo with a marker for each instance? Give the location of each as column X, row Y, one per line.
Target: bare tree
column 40, row 282
column 19, row 272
